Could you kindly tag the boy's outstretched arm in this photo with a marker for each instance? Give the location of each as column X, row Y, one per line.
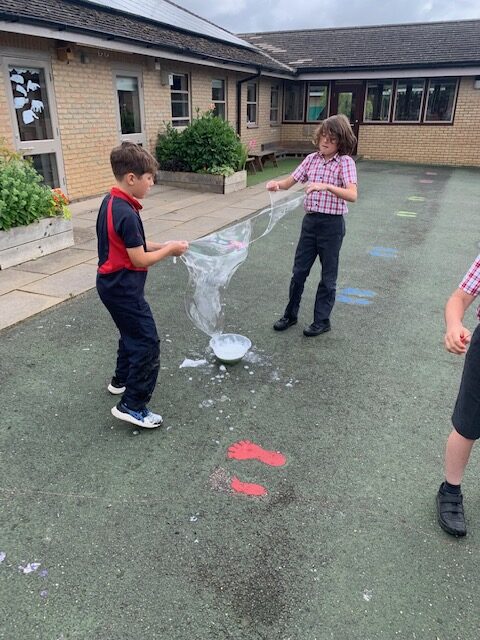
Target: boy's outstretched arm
column 276, row 185
column 456, row 335
column 141, row 258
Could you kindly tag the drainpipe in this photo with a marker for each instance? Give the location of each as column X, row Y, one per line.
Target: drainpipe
column 239, row 100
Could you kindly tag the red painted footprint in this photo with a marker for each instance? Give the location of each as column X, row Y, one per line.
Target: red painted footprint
column 248, row 488
column 246, row 450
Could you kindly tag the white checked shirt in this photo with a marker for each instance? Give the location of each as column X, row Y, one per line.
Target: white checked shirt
column 471, row 281
column 338, row 171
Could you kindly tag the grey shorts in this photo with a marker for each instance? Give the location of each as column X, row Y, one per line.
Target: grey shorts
column 466, row 414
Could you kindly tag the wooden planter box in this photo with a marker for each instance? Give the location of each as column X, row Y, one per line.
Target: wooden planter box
column 204, row 181
column 38, row 239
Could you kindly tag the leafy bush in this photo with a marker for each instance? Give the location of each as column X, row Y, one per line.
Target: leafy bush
column 23, row 196
column 208, row 145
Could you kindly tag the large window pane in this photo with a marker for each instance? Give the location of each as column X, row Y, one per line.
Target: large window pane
column 441, row 98
column 129, row 104
column 46, row 165
column 252, row 103
column 180, row 100
column 294, row 98
column 409, row 100
column 29, row 95
column 274, row 103
column 378, row 100
column 218, row 98
column 317, row 102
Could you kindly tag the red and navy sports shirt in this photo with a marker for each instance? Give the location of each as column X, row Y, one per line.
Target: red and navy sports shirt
column 119, row 227
column 338, row 171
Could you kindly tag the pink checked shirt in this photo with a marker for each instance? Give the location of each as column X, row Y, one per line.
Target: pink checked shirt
column 339, row 171
column 471, row 281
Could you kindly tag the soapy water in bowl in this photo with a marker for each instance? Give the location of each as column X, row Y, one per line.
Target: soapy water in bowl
column 230, row 347
column 212, row 260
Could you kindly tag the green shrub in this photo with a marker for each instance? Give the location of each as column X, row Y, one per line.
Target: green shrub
column 208, row 145
column 23, row 196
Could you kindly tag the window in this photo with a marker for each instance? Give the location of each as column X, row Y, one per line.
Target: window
column 218, row 98
column 440, row 100
column 251, row 103
column 409, row 98
column 129, row 104
column 317, row 102
column 293, row 103
column 378, row 101
column 274, row 104
column 180, row 100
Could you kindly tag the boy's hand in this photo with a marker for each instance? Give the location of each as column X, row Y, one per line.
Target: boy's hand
column 177, row 247
column 316, row 186
column 272, row 185
column 456, row 339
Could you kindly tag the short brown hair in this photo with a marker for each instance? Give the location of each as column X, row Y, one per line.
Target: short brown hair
column 337, row 127
column 132, row 158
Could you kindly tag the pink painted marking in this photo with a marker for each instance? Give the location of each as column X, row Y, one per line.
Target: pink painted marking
column 248, row 488
column 246, row 450
column 426, row 181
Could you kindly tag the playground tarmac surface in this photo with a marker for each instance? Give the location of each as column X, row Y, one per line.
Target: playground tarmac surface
column 139, row 534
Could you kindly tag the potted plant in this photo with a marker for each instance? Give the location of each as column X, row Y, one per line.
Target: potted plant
column 34, row 219
column 206, row 155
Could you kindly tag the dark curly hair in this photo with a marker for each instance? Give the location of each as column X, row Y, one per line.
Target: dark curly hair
column 338, row 128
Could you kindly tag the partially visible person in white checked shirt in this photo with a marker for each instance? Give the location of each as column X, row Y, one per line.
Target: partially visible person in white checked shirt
column 331, row 178
column 466, row 414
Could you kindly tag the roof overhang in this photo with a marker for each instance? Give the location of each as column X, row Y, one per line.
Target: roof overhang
column 121, row 45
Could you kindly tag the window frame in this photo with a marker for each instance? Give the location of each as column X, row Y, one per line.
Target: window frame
column 302, row 101
column 392, row 96
column 324, row 83
column 454, row 103
column 181, row 121
column 275, row 88
column 224, row 101
column 252, row 123
column 422, row 103
column 125, row 72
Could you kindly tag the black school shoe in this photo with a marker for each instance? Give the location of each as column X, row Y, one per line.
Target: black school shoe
column 450, row 512
column 284, row 323
column 316, row 329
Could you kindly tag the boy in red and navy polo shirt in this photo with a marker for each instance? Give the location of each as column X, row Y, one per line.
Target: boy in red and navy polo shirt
column 331, row 179
column 466, row 414
column 124, row 256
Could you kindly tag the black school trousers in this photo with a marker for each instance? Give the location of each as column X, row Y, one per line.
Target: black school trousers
column 138, row 355
column 321, row 236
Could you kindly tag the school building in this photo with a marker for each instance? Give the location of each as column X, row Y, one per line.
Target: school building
column 79, row 76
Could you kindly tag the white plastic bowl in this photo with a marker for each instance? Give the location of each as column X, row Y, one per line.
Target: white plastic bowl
column 230, row 347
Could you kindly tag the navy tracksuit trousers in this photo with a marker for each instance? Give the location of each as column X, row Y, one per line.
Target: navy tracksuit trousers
column 322, row 235
column 138, row 356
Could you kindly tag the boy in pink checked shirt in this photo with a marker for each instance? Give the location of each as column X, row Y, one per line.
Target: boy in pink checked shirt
column 331, row 179
column 466, row 414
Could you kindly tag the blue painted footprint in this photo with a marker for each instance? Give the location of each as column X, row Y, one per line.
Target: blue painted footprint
column 350, row 295
column 384, row 252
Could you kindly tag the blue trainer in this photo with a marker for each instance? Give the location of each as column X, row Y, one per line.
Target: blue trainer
column 143, row 418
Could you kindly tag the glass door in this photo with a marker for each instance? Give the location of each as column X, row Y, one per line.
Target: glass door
column 35, row 125
column 130, row 107
column 348, row 99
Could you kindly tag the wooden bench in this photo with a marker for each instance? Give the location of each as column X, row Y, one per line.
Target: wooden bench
column 261, row 157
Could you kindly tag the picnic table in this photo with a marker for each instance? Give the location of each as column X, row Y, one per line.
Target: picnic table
column 261, row 157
